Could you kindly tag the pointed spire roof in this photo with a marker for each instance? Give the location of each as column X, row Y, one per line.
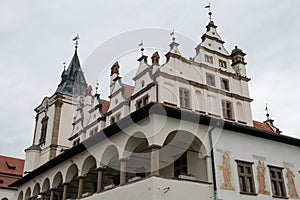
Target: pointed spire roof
column 72, row 80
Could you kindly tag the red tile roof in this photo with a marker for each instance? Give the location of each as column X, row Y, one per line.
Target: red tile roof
column 11, row 169
column 105, row 106
column 262, row 126
column 128, row 89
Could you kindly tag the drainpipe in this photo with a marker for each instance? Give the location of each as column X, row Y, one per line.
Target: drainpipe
column 210, row 131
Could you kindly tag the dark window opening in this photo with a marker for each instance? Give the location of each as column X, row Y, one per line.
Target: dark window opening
column 277, row 182
column 246, row 181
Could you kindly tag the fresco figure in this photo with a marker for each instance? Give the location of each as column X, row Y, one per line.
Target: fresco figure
column 261, row 169
column 226, row 170
column 291, row 183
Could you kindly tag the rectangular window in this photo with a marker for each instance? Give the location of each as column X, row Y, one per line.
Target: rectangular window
column 277, row 182
column 246, row 181
column 227, row 109
column 44, row 130
column 209, row 59
column 142, row 102
column 210, row 80
column 180, row 165
column 184, row 96
column 222, row 63
column 224, row 84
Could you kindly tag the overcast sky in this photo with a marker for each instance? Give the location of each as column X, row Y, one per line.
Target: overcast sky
column 36, row 38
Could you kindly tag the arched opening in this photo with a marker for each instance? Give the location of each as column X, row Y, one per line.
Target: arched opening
column 183, row 156
column 57, row 186
column 90, row 173
column 36, row 190
column 20, row 197
column 4, row 198
column 28, row 194
column 73, row 182
column 45, row 189
column 139, row 157
column 111, row 163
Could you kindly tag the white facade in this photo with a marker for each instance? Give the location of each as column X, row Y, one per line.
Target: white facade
column 184, row 128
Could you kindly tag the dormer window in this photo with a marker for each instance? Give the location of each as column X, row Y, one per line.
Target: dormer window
column 10, row 165
column 184, row 96
column 142, row 102
column 210, row 80
column 224, row 84
column 209, row 59
column 227, row 109
column 222, row 63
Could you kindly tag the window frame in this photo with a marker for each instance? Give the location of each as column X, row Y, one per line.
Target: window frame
column 225, row 110
column 142, row 102
column 226, row 86
column 222, row 63
column 278, row 181
column 246, row 186
column 184, row 98
column 213, row 80
column 44, row 128
column 209, row 59
column 181, row 165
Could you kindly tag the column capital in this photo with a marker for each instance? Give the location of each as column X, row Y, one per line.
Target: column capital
column 124, row 159
column 100, row 169
column 58, row 103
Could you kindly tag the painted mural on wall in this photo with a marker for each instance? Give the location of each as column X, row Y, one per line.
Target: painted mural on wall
column 226, row 171
column 261, row 170
column 291, row 183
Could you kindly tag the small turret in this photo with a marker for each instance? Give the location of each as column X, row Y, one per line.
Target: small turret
column 155, row 58
column 114, row 75
column 238, row 61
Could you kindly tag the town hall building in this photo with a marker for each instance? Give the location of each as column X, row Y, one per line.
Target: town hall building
column 184, row 130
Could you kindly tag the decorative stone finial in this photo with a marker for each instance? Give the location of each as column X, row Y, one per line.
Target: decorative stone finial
column 155, row 58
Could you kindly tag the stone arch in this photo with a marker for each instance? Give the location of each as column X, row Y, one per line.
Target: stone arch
column 20, row 196
column 57, row 185
column 45, row 190
column 36, row 190
column 28, row 193
column 73, row 181
column 240, row 112
column 89, row 162
column 89, row 171
column 183, row 153
column 46, row 185
column 4, row 198
column 138, row 154
column 110, row 161
column 57, row 180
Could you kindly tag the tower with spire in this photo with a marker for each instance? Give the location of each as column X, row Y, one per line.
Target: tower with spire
column 54, row 116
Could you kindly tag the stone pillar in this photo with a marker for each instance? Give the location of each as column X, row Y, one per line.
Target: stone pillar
column 209, row 169
column 123, row 171
column 154, row 159
column 55, row 130
column 65, row 191
column 52, row 194
column 80, row 187
column 100, row 171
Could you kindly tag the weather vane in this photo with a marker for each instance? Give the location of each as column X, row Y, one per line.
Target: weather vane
column 142, row 47
column 173, row 35
column 97, row 86
column 267, row 111
column 209, row 12
column 64, row 63
column 76, row 38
